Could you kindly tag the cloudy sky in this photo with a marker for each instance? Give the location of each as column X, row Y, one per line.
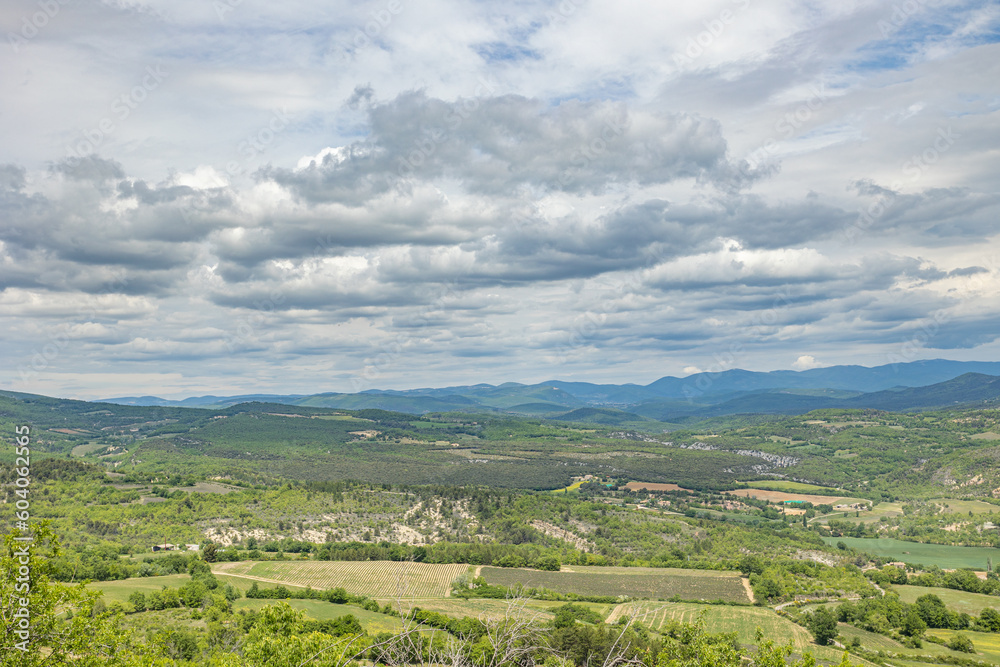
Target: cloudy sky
column 233, row 196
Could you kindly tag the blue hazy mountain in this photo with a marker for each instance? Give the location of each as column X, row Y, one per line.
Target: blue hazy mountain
column 904, row 386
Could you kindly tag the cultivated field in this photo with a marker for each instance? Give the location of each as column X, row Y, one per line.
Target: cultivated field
column 970, row 603
column 486, row 609
column 635, row 582
column 888, row 510
column 744, row 621
column 943, row 555
column 792, row 487
column 782, row 496
column 651, row 486
column 377, row 579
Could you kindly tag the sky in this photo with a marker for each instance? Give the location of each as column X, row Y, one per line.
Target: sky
column 240, row 196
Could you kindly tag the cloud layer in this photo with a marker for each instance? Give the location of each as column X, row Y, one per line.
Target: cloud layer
column 229, row 197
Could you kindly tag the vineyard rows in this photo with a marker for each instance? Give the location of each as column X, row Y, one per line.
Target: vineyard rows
column 631, row 582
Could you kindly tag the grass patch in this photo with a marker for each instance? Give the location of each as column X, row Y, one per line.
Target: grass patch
column 118, row 591
column 970, row 603
column 987, row 644
column 373, row 622
column 83, row 450
column 955, row 506
column 784, row 485
column 875, row 514
column 744, row 621
column 944, row 556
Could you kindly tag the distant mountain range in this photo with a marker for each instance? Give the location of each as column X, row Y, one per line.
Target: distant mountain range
column 918, row 385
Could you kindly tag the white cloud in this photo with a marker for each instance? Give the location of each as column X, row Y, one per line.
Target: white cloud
column 806, row 362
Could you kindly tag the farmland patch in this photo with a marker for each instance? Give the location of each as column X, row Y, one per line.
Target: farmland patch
column 633, row 582
column 376, row 579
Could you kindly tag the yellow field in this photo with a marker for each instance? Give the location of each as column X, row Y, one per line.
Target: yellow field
column 987, row 644
column 376, row 579
column 572, row 487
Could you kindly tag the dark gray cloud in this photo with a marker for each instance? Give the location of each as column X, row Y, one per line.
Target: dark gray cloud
column 509, row 145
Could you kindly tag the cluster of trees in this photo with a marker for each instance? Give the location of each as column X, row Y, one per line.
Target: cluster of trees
column 889, row 616
column 780, row 579
column 103, row 562
column 332, row 595
column 963, row 579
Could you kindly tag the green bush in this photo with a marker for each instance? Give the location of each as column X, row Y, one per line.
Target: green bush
column 961, row 643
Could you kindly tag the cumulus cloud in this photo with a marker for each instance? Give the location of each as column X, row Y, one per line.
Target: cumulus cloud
column 805, row 362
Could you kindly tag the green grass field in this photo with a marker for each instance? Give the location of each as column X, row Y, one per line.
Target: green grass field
column 792, row 487
column 373, row 622
column 744, row 621
column 875, row 514
column 970, row 603
column 943, row 555
column 987, row 644
column 376, row 579
column 634, row 582
column 964, row 506
column 870, row 640
column 83, row 450
column 118, row 591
